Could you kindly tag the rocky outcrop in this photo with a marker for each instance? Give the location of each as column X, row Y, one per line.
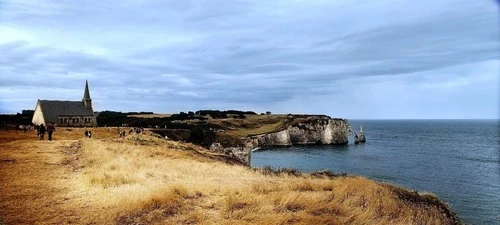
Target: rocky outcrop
column 299, row 130
column 240, row 153
column 361, row 136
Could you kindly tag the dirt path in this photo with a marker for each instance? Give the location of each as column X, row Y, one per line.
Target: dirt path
column 34, row 182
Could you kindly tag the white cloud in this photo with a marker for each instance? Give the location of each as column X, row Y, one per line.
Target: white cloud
column 9, row 34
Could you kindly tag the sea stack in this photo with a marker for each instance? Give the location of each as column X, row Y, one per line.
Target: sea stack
column 361, row 135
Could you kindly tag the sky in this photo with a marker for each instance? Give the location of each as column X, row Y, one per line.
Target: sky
column 385, row 59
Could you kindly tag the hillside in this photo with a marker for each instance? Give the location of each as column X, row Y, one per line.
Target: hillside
column 141, row 179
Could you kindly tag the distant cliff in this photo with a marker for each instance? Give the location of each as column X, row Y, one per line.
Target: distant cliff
column 304, row 131
column 297, row 130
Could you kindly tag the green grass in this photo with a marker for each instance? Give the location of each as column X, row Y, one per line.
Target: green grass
column 267, row 128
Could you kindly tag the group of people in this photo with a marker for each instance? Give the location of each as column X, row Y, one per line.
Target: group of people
column 88, row 134
column 42, row 129
column 49, row 129
column 25, row 128
column 122, row 133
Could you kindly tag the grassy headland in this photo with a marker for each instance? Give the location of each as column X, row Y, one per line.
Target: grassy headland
column 141, row 179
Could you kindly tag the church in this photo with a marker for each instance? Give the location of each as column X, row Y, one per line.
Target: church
column 66, row 113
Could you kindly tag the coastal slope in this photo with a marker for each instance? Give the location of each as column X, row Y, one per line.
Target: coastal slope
column 142, row 179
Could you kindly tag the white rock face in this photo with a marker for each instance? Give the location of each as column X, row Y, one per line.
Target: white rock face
column 327, row 137
column 319, row 131
column 281, row 138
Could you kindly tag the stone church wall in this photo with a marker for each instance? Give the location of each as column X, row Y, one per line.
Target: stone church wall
column 76, row 121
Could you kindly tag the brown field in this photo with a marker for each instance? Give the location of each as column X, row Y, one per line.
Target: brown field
column 141, row 179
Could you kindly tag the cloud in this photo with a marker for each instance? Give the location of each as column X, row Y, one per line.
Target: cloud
column 301, row 56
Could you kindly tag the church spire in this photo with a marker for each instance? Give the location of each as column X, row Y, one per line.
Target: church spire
column 86, row 96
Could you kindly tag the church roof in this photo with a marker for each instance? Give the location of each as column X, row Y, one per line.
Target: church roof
column 53, row 108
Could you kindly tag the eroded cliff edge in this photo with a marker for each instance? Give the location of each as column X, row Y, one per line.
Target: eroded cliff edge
column 295, row 130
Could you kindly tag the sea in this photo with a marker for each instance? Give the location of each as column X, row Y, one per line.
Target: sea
column 457, row 160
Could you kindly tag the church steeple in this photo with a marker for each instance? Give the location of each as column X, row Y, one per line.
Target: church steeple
column 86, row 96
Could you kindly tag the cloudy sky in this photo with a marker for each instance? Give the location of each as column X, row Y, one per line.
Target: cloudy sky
column 344, row 58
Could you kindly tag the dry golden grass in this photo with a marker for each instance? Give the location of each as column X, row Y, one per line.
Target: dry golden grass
column 145, row 180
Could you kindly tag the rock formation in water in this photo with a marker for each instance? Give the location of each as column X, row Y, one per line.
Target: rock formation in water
column 361, row 136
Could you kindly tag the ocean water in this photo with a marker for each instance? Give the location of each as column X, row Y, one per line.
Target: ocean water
column 458, row 160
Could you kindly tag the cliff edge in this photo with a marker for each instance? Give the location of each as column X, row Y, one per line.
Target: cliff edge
column 293, row 130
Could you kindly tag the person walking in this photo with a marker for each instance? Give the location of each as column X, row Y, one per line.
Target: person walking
column 50, row 129
column 41, row 131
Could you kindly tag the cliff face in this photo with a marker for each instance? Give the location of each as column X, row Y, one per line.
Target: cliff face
column 298, row 131
column 319, row 131
column 313, row 130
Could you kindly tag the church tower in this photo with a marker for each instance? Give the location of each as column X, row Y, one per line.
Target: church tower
column 86, row 96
